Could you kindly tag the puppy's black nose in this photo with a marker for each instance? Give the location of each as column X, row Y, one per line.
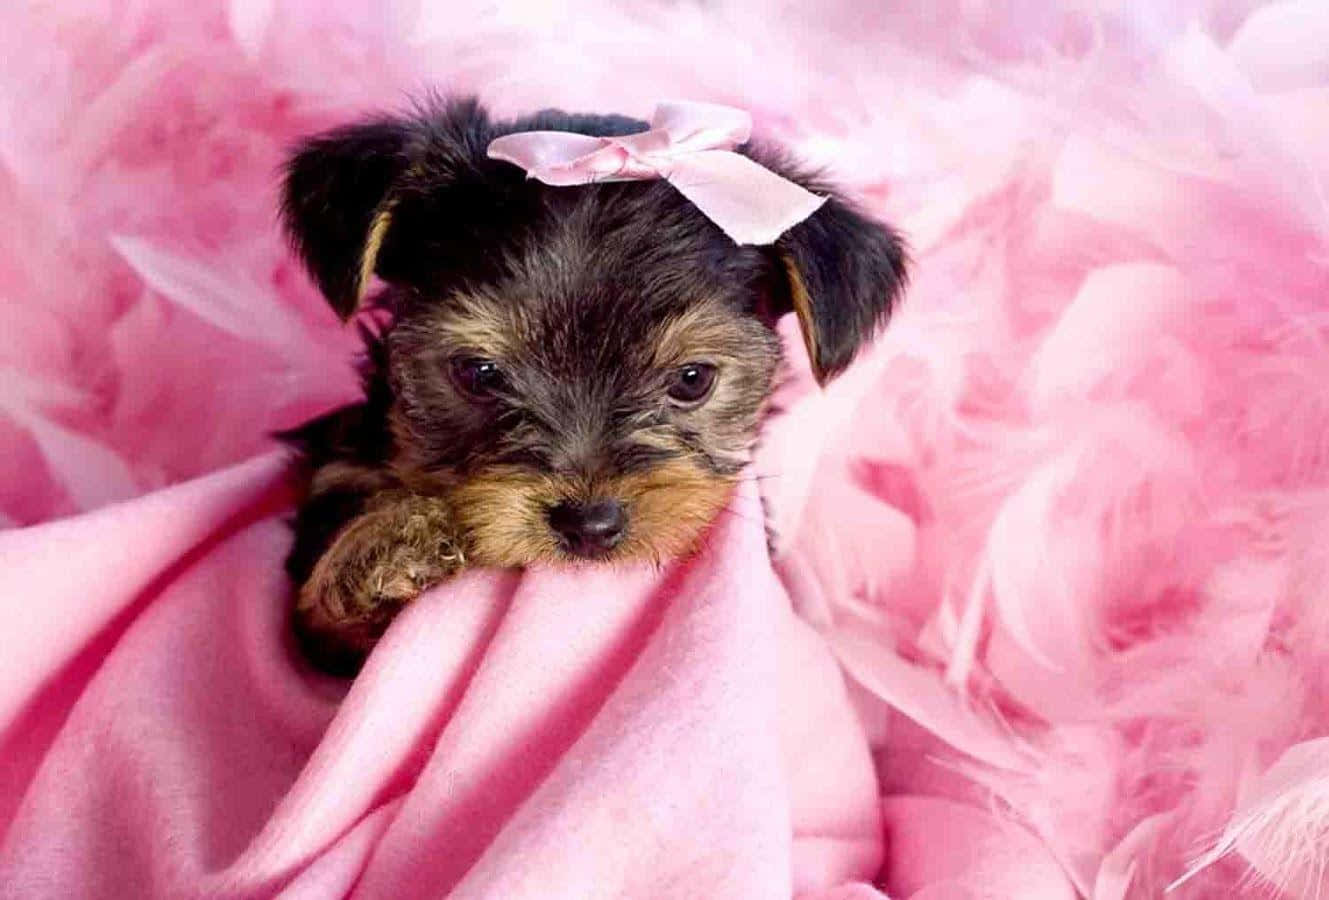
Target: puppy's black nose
column 589, row 529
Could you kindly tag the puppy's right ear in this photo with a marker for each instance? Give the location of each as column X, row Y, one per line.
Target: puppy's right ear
column 337, row 204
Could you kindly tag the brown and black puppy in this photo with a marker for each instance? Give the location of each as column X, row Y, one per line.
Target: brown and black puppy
column 567, row 373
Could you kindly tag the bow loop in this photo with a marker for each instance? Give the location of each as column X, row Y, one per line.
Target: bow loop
column 691, row 145
column 702, row 126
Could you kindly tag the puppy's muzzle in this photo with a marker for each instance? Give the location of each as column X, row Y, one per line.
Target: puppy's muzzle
column 589, row 530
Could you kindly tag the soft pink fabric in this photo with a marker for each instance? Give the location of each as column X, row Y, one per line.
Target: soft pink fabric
column 690, row 145
column 1062, row 529
column 602, row 734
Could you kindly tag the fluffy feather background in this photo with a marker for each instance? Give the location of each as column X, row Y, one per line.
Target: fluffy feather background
column 1065, row 526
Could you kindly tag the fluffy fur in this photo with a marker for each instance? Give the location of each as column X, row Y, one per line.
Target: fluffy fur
column 586, row 306
column 1087, row 469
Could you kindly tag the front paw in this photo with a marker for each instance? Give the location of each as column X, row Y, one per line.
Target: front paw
column 378, row 563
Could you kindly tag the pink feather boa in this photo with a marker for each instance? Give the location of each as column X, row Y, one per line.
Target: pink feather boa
column 1063, row 528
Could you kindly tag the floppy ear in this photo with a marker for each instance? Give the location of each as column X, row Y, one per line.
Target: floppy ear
column 841, row 274
column 336, row 203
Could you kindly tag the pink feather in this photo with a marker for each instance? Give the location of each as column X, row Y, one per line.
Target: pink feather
column 1087, row 467
column 1281, row 824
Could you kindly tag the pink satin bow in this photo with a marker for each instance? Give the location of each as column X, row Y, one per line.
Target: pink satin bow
column 690, row 145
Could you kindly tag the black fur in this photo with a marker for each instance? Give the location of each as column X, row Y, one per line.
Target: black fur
column 853, row 270
column 357, row 434
column 333, row 187
column 581, row 284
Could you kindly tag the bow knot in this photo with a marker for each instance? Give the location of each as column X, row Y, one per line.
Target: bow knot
column 690, row 145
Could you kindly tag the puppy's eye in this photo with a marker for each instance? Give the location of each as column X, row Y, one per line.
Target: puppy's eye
column 476, row 377
column 692, row 384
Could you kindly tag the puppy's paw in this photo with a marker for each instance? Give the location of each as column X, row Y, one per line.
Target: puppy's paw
column 382, row 560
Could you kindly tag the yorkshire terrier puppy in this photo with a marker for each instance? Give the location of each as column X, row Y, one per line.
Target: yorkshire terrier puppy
column 563, row 373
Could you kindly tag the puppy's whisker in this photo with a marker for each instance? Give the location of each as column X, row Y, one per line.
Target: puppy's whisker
column 730, row 511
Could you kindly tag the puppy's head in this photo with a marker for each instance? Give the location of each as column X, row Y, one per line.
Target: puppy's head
column 582, row 369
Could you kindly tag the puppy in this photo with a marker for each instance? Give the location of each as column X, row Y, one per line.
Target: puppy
column 561, row 374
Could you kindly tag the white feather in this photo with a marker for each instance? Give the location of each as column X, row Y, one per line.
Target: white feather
column 1281, row 825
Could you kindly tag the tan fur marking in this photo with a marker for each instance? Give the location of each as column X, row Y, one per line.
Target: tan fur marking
column 344, row 476
column 378, row 230
column 502, row 512
column 502, row 515
column 705, row 330
column 480, row 324
column 669, row 508
column 660, row 437
column 798, row 293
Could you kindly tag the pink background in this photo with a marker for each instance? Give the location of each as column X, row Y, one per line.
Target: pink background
column 1062, row 528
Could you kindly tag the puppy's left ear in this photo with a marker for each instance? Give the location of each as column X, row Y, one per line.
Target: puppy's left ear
column 841, row 273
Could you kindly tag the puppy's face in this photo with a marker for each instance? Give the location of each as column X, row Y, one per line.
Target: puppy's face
column 579, row 422
column 581, row 370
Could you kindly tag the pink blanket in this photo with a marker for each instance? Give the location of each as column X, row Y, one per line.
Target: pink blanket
column 626, row 734
column 1046, row 613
